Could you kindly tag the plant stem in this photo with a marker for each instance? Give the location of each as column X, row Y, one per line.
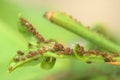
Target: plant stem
column 72, row 25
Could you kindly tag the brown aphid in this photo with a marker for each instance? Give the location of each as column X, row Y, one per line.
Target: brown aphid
column 87, row 53
column 108, row 59
column 20, row 53
column 27, row 24
column 104, row 55
column 94, row 52
column 36, row 59
column 80, row 50
column 33, row 53
column 43, row 49
column 30, row 29
column 48, row 59
column 113, row 60
column 23, row 21
column 116, row 55
column 23, row 58
column 29, row 55
column 58, row 47
column 29, row 45
column 39, row 51
column 68, row 51
column 51, row 40
column 89, row 62
column 16, row 59
column 39, row 37
column 48, row 41
column 10, row 68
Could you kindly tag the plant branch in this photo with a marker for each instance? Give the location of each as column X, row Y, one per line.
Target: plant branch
column 45, row 52
column 72, row 25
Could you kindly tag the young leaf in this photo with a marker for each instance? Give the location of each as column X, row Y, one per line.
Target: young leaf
column 76, row 48
column 24, row 60
column 48, row 63
column 22, row 23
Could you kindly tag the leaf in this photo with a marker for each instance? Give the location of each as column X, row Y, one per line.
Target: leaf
column 28, row 62
column 76, row 47
column 48, row 63
column 27, row 35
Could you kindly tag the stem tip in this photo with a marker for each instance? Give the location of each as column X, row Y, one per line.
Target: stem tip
column 49, row 15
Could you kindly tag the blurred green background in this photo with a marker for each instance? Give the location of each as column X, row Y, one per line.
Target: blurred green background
column 33, row 10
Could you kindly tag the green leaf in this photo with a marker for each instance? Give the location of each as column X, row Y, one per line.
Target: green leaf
column 76, row 47
column 27, row 35
column 48, row 63
column 28, row 62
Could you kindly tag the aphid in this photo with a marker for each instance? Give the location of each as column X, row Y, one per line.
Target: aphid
column 68, row 51
column 29, row 55
column 48, row 59
column 20, row 52
column 30, row 29
column 104, row 55
column 36, row 59
column 16, row 59
column 94, row 52
column 107, row 60
column 81, row 49
column 32, row 53
column 27, row 24
column 29, row 45
column 39, row 51
column 10, row 68
column 23, row 58
column 39, row 37
column 23, row 21
column 58, row 47
column 116, row 55
column 48, row 41
column 89, row 62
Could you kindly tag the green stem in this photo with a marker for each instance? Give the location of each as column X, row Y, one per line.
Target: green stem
column 70, row 24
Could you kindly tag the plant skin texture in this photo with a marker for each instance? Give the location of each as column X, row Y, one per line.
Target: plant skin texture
column 46, row 52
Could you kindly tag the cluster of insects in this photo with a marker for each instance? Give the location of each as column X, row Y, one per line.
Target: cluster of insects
column 53, row 46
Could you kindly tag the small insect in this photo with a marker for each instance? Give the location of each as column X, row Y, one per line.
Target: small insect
column 89, row 62
column 16, row 59
column 20, row 52
column 23, row 58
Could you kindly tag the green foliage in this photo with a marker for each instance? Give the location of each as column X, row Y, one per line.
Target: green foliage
column 11, row 40
column 46, row 51
column 48, row 62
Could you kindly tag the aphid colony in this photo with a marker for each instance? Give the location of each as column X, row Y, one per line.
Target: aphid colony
column 56, row 47
column 52, row 46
